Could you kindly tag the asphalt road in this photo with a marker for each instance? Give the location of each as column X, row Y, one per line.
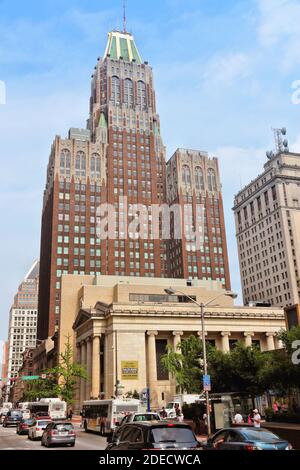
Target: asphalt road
column 9, row 440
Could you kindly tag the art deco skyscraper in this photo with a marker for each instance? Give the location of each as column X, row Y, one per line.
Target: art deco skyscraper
column 120, row 154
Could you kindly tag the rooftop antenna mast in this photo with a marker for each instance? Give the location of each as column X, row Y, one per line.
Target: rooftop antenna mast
column 124, row 16
column 281, row 143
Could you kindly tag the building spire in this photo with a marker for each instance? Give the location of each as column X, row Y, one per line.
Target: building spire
column 124, row 16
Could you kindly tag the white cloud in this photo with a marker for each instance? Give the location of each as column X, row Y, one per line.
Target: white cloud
column 227, row 69
column 279, row 28
column 295, row 146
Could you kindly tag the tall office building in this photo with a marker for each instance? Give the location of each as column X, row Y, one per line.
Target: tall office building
column 120, row 154
column 267, row 218
column 22, row 323
column 193, row 183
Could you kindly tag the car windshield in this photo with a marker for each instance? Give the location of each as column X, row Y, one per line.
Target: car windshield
column 146, row 417
column 257, row 435
column 172, row 434
column 27, row 421
column 15, row 413
column 64, row 427
column 42, row 423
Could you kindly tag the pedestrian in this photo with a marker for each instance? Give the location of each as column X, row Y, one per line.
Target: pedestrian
column 163, row 413
column 238, row 418
column 70, row 413
column 250, row 417
column 197, row 423
column 275, row 407
column 256, row 418
column 177, row 410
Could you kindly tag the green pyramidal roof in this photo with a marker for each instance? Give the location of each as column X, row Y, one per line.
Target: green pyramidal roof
column 122, row 45
column 102, row 121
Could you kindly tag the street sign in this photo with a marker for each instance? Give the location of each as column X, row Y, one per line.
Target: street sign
column 30, row 377
column 206, row 383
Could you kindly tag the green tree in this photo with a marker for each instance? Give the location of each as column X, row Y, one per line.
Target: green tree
column 185, row 364
column 280, row 372
column 40, row 388
column 66, row 373
column 235, row 371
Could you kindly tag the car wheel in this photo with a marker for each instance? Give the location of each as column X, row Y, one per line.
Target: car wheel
column 42, row 443
column 85, row 426
column 73, row 444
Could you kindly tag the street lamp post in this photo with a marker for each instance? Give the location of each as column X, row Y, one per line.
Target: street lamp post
column 202, row 306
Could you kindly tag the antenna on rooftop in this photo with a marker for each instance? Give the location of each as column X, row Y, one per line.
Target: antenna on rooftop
column 124, row 16
column 281, row 144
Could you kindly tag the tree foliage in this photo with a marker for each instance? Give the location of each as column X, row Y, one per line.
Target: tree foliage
column 61, row 380
column 243, row 369
column 66, row 373
column 186, row 364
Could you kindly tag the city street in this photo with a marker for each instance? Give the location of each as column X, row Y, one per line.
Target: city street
column 9, row 440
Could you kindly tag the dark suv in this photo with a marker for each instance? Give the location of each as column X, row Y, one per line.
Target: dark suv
column 13, row 417
column 153, row 435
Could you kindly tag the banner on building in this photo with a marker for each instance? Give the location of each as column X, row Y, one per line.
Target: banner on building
column 129, row 370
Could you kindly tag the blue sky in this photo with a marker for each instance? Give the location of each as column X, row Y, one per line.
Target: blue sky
column 223, row 75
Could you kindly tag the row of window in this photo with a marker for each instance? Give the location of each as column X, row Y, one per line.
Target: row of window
column 199, row 178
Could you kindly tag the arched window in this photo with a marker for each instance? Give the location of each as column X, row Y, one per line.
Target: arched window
column 115, row 90
column 186, row 175
column 199, row 178
column 141, row 95
column 211, row 179
column 65, row 162
column 80, row 164
column 128, row 92
column 95, row 165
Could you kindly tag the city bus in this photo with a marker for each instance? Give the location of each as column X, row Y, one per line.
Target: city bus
column 103, row 416
column 54, row 407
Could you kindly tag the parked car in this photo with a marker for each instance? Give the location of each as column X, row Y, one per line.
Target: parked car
column 37, row 428
column 59, row 432
column 133, row 417
column 246, row 438
column 158, row 435
column 12, row 418
column 24, row 425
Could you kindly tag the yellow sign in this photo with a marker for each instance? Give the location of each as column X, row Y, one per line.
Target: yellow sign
column 129, row 370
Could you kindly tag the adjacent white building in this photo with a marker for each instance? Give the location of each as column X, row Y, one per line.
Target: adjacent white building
column 267, row 218
column 22, row 323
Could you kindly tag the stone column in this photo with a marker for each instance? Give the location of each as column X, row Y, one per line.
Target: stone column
column 270, row 341
column 88, row 368
column 176, row 339
column 83, row 363
column 152, row 369
column 78, row 359
column 225, row 341
column 248, row 338
column 96, row 373
column 278, row 343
